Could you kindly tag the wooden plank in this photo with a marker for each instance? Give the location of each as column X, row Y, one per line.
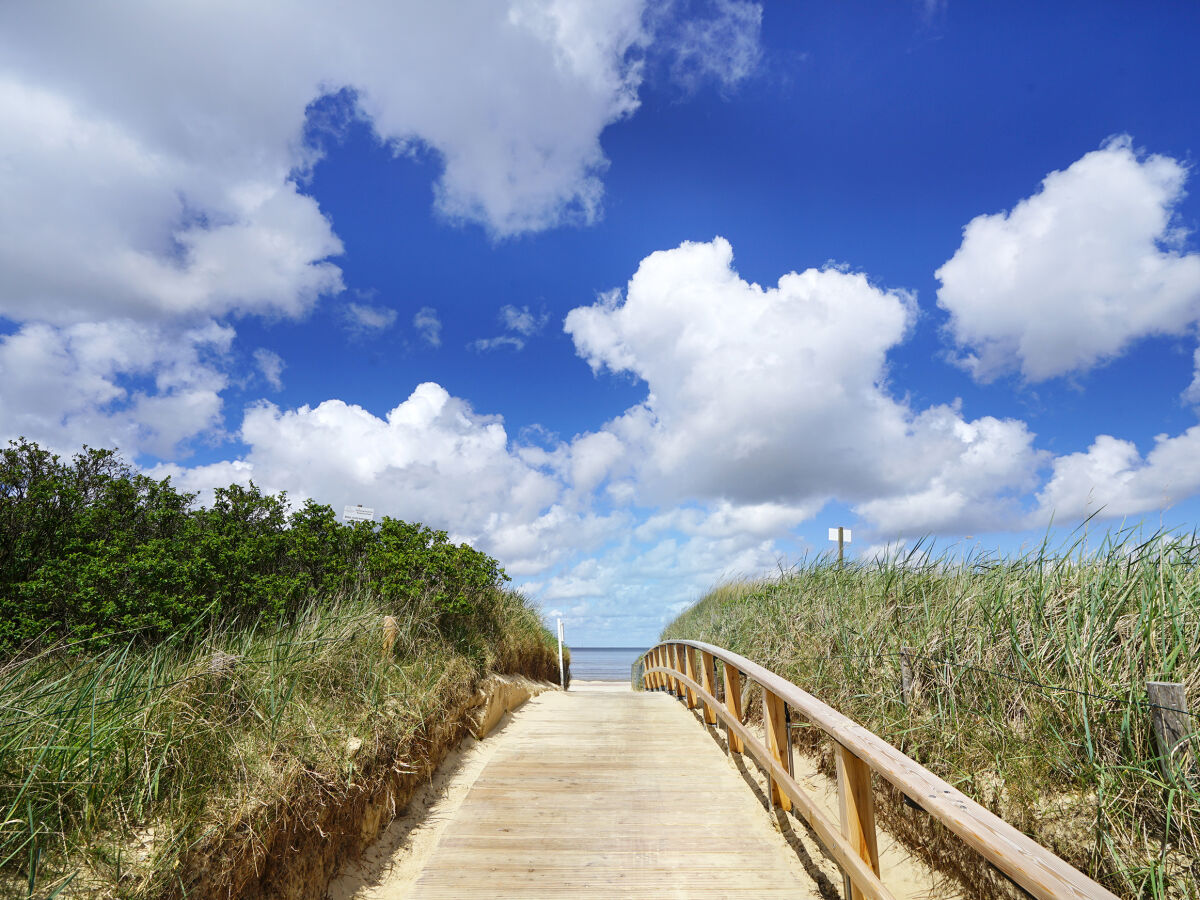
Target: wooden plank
column 708, row 678
column 595, row 795
column 775, row 724
column 733, row 702
column 1029, row 864
column 856, row 801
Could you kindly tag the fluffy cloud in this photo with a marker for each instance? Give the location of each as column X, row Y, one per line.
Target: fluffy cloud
column 431, row 459
column 1112, row 477
column 1075, row 273
column 138, row 387
column 775, row 396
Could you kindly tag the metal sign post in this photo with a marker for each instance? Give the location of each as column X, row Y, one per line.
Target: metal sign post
column 562, row 678
column 842, row 536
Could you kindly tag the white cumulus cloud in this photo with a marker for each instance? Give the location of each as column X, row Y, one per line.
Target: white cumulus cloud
column 775, row 395
column 1075, row 273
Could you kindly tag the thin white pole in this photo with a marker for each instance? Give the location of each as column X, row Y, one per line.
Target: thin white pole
column 562, row 678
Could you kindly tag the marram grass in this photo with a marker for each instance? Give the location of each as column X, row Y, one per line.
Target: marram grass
column 114, row 764
column 1031, row 675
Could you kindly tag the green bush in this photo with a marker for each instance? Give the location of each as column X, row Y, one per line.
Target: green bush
column 91, row 550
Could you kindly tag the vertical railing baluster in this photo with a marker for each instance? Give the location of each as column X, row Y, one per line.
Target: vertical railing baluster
column 708, row 678
column 857, row 805
column 733, row 702
column 777, row 737
column 689, row 669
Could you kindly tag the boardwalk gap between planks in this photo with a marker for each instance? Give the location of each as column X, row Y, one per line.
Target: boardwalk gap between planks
column 610, row 793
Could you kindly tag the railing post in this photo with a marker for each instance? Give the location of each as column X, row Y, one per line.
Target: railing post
column 857, row 804
column 658, row 678
column 689, row 669
column 708, row 678
column 676, row 684
column 777, row 738
column 733, row 702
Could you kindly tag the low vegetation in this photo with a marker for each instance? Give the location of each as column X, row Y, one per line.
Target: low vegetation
column 179, row 684
column 1029, row 684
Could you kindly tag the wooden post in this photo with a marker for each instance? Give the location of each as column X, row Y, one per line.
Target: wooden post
column 708, row 678
column 677, row 665
column 689, row 669
column 733, row 702
column 841, row 542
column 391, row 630
column 777, row 742
column 655, row 678
column 1169, row 716
column 906, row 675
column 857, row 804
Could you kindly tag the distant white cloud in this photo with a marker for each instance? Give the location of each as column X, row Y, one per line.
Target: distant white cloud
column 504, row 340
column 774, row 395
column 522, row 321
column 363, row 318
column 1192, row 393
column 717, row 41
column 271, row 365
column 428, row 326
column 1074, row 274
column 1112, row 476
column 134, row 386
column 519, row 323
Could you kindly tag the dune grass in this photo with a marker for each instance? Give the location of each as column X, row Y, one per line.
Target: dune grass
column 117, row 764
column 1031, row 682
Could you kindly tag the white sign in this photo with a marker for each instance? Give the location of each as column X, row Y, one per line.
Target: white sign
column 358, row 514
column 833, row 534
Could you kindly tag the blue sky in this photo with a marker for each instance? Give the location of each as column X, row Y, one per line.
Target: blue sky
column 636, row 296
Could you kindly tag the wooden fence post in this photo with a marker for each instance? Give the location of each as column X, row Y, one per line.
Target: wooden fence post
column 657, row 657
column 907, row 683
column 857, row 804
column 777, row 744
column 689, row 669
column 391, row 630
column 1172, row 728
column 733, row 702
column 708, row 678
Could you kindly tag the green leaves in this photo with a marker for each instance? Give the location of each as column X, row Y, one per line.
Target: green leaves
column 91, row 551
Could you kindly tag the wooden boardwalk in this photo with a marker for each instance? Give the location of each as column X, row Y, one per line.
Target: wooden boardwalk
column 610, row 794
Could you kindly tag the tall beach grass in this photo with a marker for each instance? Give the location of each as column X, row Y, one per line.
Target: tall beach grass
column 1030, row 682
column 116, row 766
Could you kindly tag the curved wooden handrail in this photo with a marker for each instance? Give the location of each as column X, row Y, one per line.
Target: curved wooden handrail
column 671, row 665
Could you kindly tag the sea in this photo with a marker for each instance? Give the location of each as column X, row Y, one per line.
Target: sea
column 603, row 663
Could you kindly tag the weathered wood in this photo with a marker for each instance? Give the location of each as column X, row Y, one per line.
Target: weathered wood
column 1172, row 727
column 829, row 833
column 775, row 725
column 588, row 797
column 709, row 680
column 907, row 682
column 1029, row 864
column 676, row 664
column 689, row 669
column 733, row 702
column 856, row 802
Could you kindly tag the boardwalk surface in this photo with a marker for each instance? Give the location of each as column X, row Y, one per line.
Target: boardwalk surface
column 609, row 794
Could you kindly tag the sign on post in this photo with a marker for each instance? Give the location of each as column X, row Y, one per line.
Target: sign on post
column 842, row 536
column 358, row 513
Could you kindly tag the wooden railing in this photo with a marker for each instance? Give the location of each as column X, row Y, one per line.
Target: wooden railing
column 672, row 666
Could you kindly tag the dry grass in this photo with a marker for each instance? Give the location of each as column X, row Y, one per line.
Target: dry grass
column 117, row 768
column 1031, row 676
